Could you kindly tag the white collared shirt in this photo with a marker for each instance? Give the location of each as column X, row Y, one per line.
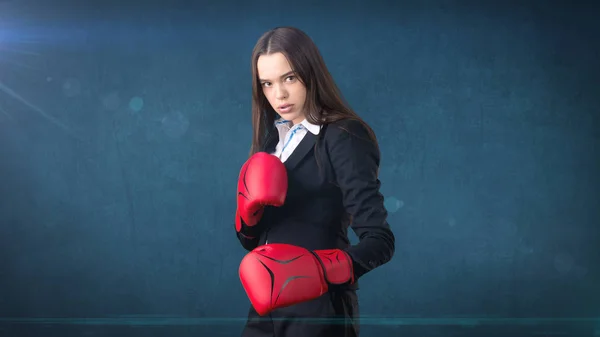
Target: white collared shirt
column 291, row 135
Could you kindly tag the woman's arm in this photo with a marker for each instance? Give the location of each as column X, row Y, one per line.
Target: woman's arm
column 262, row 183
column 355, row 160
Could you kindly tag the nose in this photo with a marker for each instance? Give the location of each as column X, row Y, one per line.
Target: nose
column 280, row 92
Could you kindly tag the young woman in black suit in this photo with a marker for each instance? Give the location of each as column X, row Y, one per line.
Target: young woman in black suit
column 312, row 174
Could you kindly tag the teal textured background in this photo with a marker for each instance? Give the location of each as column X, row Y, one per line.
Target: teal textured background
column 123, row 128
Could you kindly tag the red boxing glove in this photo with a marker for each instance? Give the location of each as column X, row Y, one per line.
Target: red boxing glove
column 262, row 182
column 279, row 275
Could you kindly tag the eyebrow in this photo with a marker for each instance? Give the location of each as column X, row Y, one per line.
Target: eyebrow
column 291, row 72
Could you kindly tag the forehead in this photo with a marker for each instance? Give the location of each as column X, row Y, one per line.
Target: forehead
column 272, row 66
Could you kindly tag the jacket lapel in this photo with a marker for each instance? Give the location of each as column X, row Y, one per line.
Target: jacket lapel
column 301, row 151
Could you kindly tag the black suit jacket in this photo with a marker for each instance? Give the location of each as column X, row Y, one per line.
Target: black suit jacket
column 332, row 185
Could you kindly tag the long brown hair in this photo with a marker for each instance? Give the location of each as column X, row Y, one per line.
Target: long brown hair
column 324, row 102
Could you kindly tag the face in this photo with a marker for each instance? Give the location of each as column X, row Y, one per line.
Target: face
column 282, row 88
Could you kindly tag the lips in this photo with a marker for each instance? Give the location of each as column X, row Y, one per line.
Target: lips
column 285, row 108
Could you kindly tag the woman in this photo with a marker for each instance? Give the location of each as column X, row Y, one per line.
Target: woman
column 312, row 173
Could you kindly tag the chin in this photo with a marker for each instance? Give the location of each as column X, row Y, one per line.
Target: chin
column 290, row 116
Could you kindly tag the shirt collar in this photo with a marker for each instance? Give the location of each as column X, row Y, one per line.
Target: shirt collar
column 313, row 128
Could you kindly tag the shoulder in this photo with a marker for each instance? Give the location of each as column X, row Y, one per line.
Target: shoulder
column 351, row 136
column 348, row 128
column 350, row 131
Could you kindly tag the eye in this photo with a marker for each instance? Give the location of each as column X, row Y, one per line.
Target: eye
column 266, row 84
column 290, row 78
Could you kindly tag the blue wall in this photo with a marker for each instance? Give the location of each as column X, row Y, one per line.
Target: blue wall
column 122, row 132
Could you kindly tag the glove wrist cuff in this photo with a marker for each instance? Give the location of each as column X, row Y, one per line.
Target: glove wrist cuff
column 337, row 266
column 250, row 232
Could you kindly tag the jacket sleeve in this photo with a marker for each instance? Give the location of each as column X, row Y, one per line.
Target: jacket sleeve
column 355, row 161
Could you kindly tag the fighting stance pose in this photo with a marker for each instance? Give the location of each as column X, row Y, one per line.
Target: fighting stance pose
column 312, row 174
